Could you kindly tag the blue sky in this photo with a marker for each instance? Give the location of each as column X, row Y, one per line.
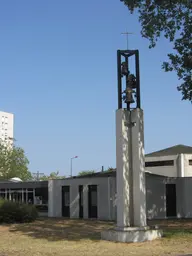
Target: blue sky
column 58, row 76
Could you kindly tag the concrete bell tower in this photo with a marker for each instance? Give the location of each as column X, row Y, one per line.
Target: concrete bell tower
column 130, row 157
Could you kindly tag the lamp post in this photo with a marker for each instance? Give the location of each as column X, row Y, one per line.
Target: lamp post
column 72, row 164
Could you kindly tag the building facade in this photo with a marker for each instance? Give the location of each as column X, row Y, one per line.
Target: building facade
column 170, row 162
column 6, row 127
column 94, row 196
column 168, row 190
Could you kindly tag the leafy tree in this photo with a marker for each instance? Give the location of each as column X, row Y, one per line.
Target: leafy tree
column 110, row 169
column 13, row 163
column 173, row 19
column 52, row 175
column 82, row 173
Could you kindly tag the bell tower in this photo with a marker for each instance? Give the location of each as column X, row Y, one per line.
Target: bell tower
column 131, row 223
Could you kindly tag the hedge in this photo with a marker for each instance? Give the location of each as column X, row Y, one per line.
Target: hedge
column 14, row 212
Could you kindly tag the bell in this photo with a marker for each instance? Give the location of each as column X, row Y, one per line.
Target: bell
column 129, row 95
column 124, row 69
column 132, row 81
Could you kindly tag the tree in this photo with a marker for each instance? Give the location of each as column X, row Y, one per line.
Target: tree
column 82, row 173
column 13, row 163
column 110, row 169
column 52, row 175
column 173, row 19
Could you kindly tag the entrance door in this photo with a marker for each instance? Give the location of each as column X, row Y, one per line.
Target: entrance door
column 80, row 202
column 92, row 201
column 171, row 200
column 66, row 201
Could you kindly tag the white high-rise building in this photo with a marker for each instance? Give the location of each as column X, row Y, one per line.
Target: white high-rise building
column 6, row 127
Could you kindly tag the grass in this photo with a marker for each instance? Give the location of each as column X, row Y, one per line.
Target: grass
column 75, row 237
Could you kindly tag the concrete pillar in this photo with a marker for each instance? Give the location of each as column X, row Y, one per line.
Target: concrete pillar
column 6, row 194
column 51, row 198
column 55, row 198
column 22, row 195
column 74, row 202
column 109, row 198
column 34, row 196
column 123, row 164
column 138, row 169
column 85, row 202
column 131, row 195
column 180, row 166
column 10, row 194
column 131, row 192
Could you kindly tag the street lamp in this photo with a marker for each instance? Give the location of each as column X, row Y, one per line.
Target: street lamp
column 72, row 164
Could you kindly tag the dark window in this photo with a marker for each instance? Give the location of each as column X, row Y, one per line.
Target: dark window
column 159, row 163
column 190, row 162
column 43, row 194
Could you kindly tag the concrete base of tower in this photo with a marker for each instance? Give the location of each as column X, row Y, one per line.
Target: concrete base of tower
column 131, row 234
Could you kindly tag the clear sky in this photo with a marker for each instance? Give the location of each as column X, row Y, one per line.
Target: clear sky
column 58, row 77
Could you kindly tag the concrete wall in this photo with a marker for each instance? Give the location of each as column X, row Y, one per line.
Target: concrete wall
column 187, row 198
column 187, row 167
column 113, row 202
column 104, row 190
column 155, row 196
column 170, row 171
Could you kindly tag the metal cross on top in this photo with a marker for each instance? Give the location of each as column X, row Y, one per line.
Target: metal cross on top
column 127, row 36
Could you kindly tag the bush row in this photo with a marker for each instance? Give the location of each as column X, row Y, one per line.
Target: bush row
column 13, row 212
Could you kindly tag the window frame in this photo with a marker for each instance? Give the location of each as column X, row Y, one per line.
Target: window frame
column 162, row 163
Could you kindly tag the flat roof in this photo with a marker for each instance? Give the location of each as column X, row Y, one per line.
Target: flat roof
column 40, row 184
column 111, row 173
column 23, row 184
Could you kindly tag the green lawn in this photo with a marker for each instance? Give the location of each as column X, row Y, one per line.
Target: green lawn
column 73, row 237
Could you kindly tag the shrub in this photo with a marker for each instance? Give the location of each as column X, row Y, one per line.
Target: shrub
column 42, row 208
column 12, row 212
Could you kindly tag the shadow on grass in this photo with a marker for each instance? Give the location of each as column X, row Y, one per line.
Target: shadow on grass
column 54, row 229
column 62, row 229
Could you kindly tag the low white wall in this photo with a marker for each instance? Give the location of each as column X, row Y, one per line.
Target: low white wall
column 155, row 193
column 103, row 197
column 155, row 197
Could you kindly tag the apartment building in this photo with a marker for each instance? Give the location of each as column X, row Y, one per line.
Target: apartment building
column 6, row 127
